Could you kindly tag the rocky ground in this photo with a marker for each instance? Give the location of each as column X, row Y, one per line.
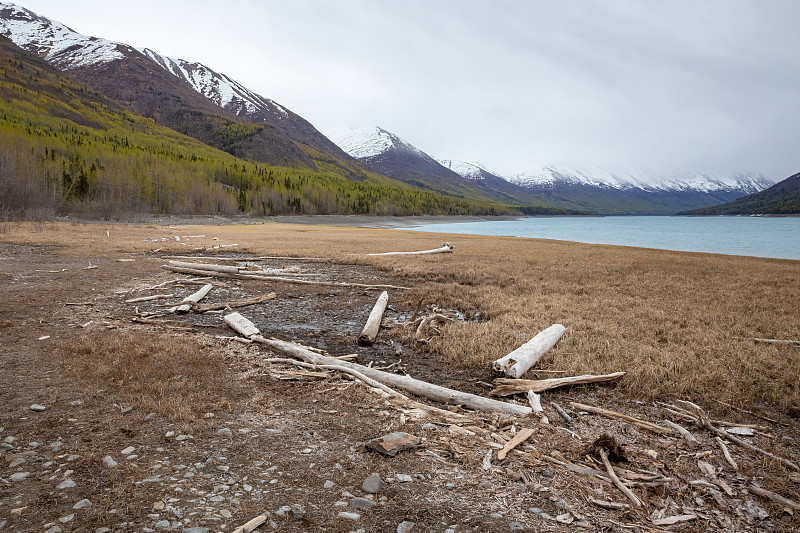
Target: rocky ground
column 290, row 446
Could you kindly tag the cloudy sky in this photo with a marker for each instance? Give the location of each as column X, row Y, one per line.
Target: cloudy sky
column 697, row 85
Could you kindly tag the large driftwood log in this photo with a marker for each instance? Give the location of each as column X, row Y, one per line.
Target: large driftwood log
column 192, row 299
column 515, row 364
column 242, row 275
column 370, row 332
column 406, row 383
column 445, row 248
column 507, row 387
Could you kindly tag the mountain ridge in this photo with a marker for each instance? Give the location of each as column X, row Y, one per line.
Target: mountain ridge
column 783, row 198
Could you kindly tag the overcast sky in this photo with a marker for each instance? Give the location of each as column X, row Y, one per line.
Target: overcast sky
column 674, row 86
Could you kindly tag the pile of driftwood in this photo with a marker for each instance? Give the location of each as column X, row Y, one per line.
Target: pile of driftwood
column 632, row 484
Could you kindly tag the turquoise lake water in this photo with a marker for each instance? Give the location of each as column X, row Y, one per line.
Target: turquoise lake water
column 777, row 237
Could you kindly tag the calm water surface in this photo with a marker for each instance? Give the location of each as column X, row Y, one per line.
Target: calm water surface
column 753, row 236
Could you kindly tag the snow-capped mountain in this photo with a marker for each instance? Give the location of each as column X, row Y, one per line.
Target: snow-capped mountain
column 553, row 175
column 219, row 88
column 637, row 191
column 471, row 171
column 184, row 95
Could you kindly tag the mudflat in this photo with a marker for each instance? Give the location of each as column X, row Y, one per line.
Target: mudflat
column 121, row 415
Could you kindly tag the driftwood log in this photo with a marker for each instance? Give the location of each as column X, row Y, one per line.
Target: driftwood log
column 515, row 364
column 202, row 308
column 370, row 332
column 192, row 299
column 445, row 248
column 507, row 387
column 241, row 275
column 406, row 383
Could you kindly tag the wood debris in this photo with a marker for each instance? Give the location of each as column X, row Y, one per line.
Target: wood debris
column 507, row 387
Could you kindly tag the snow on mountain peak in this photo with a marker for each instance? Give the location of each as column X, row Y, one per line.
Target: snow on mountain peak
column 371, row 141
column 56, row 43
column 470, row 171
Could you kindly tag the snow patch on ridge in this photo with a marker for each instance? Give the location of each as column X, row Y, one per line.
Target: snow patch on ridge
column 370, row 142
column 56, row 43
column 470, row 171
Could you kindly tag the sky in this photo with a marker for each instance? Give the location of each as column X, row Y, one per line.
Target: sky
column 671, row 86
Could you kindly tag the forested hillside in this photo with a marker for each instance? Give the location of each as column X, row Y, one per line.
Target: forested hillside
column 67, row 149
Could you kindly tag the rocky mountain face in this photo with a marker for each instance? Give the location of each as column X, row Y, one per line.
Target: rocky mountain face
column 186, row 96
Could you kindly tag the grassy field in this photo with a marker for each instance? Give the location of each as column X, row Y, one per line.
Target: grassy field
column 672, row 320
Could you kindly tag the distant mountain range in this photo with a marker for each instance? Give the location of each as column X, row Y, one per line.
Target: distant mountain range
column 589, row 190
column 197, row 101
column 783, row 198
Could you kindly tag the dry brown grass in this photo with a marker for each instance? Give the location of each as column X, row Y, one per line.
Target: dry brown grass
column 175, row 377
column 667, row 318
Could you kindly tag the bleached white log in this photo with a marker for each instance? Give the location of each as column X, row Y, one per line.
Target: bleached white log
column 241, row 325
column 506, row 386
column 187, row 302
column 209, row 267
column 406, row 383
column 515, row 364
column 373, row 325
column 445, row 248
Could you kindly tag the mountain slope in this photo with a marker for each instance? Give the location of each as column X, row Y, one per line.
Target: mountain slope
column 65, row 149
column 783, row 198
column 636, row 192
column 186, row 96
column 388, row 154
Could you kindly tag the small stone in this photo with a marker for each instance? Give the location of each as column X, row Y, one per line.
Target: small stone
column 9, row 439
column 283, row 510
column 68, row 518
column 652, row 454
column 82, row 504
column 127, row 451
column 196, row 530
column 515, row 526
column 536, row 510
column 19, row 476
column 150, row 417
column 54, row 529
column 258, row 464
column 298, row 511
column 162, row 524
column 225, row 513
column 18, row 511
column 328, row 484
column 109, row 462
column 485, row 485
column 404, row 478
column 225, row 432
column 349, row 516
column 181, row 438
column 37, row 408
column 495, row 515
column 66, row 484
column 107, row 530
column 372, row 484
column 405, row 527
column 127, row 410
column 549, row 474
column 362, row 504
column 169, row 434
column 394, row 443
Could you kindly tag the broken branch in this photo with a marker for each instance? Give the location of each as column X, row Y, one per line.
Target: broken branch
column 507, row 387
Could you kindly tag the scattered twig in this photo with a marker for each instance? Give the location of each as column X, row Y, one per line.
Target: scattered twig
column 683, row 432
column 621, row 486
column 251, row 525
column 643, row 424
column 148, row 298
column 774, row 497
column 610, row 505
column 563, row 414
column 726, row 453
column 518, row 439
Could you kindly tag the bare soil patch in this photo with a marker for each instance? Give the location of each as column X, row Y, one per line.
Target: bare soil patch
column 219, row 436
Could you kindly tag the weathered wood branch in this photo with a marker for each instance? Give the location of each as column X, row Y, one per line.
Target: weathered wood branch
column 563, row 414
column 149, row 298
column 764, row 493
column 535, row 402
column 736, row 440
column 192, row 299
column 373, row 325
column 643, row 424
column 610, row 505
column 726, row 453
column 208, row 267
column 516, row 363
column 445, row 248
column 683, row 432
column 406, row 383
column 518, row 439
column 251, row 525
column 619, row 484
column 771, row 341
column 507, row 387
